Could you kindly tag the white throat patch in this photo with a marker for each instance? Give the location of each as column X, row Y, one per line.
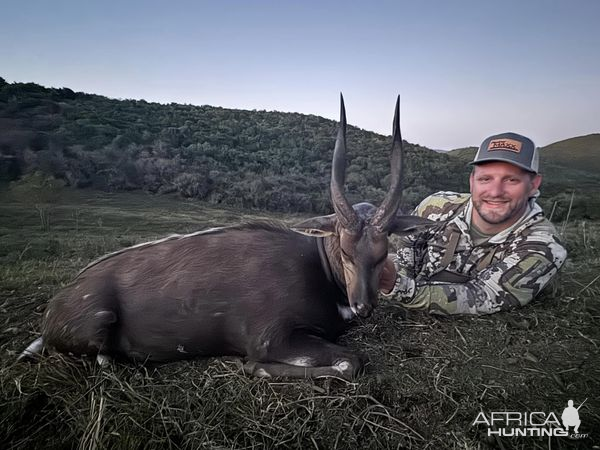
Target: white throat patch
column 346, row 312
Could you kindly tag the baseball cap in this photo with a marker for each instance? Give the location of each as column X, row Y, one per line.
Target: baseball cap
column 512, row 148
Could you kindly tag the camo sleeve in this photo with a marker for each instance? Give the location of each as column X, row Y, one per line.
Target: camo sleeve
column 438, row 207
column 511, row 282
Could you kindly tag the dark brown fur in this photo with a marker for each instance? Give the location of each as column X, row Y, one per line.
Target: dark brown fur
column 259, row 290
column 247, row 290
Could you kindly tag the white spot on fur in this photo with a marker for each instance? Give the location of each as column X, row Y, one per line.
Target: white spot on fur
column 302, row 361
column 33, row 349
column 103, row 360
column 342, row 366
column 346, row 312
column 262, row 373
column 86, row 296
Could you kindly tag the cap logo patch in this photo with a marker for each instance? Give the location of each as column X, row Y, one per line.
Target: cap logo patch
column 505, row 144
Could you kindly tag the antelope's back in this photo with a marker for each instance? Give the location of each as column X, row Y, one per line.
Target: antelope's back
column 213, row 293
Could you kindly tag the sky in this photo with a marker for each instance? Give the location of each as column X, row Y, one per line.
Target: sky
column 463, row 69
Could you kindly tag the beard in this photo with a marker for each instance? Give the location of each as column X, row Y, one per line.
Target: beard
column 510, row 211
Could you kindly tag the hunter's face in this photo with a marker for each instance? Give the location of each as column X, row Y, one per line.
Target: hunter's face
column 500, row 192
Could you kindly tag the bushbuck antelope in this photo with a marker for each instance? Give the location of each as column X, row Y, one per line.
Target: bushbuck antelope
column 275, row 296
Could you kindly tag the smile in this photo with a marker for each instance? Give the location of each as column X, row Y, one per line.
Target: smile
column 496, row 203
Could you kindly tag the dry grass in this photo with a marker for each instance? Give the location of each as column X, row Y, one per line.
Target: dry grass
column 427, row 379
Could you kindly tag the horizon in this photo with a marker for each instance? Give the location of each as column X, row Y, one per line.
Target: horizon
column 295, row 112
column 463, row 71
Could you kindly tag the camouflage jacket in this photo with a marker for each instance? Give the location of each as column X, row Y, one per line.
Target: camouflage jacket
column 506, row 271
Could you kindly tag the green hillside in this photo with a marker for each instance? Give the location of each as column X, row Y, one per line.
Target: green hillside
column 572, row 164
column 252, row 159
column 265, row 160
column 465, row 154
column 581, row 153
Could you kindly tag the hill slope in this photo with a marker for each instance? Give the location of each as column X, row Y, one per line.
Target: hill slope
column 465, row 154
column 259, row 159
column 582, row 153
column 250, row 159
column 572, row 164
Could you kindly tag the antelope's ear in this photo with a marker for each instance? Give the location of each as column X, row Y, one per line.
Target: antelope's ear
column 317, row 226
column 408, row 224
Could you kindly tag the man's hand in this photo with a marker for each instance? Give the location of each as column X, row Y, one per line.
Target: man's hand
column 387, row 280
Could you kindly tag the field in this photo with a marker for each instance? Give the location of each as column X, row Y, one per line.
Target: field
column 428, row 378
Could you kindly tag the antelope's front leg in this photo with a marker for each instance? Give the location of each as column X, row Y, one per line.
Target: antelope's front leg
column 306, row 356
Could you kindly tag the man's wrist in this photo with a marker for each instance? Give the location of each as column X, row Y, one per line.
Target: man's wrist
column 404, row 287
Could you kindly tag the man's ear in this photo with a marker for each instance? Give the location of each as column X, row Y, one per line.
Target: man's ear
column 535, row 183
column 408, row 224
column 317, row 226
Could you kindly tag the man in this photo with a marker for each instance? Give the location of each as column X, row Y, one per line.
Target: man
column 570, row 417
column 493, row 250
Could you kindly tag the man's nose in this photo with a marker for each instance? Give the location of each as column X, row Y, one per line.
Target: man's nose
column 495, row 189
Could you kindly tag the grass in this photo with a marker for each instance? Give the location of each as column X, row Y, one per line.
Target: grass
column 427, row 380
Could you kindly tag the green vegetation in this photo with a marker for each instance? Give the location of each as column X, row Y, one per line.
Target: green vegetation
column 251, row 159
column 582, row 153
column 428, row 377
column 247, row 159
column 427, row 380
column 465, row 154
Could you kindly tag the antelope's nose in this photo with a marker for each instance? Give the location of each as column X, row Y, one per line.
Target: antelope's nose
column 363, row 310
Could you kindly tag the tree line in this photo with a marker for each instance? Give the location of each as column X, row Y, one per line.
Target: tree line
column 252, row 159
